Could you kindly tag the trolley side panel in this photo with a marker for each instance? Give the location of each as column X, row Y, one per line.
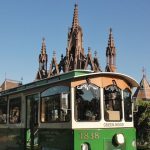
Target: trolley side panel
column 59, row 139
column 103, row 139
column 12, row 139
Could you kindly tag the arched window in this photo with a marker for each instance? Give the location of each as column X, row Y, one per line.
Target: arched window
column 112, row 103
column 55, row 104
column 87, row 102
column 127, row 105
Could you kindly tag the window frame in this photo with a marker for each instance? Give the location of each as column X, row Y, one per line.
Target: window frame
column 76, row 106
column 110, row 111
column 129, row 119
column 58, row 94
column 18, row 109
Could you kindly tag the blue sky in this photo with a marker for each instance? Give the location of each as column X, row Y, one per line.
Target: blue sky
column 24, row 23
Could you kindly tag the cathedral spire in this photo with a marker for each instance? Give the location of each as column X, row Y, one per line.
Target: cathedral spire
column 43, row 58
column 75, row 22
column 111, row 40
column 75, row 51
column 43, row 48
column 54, row 70
column 111, row 54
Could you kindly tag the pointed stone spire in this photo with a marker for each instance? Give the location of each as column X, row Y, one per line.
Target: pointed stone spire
column 95, row 54
column 43, row 58
column 43, row 48
column 43, row 55
column 75, row 51
column 75, row 22
column 54, row 69
column 143, row 91
column 111, row 54
column 144, row 83
column 96, row 63
column 111, row 40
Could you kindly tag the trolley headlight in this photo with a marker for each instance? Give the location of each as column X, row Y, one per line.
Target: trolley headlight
column 118, row 139
column 85, row 146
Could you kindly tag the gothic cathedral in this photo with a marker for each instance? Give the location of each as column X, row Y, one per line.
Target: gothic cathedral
column 75, row 57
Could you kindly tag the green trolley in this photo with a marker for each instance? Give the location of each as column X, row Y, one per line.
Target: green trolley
column 78, row 110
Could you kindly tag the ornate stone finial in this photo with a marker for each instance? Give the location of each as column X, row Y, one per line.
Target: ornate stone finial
column 95, row 53
column 43, row 39
column 110, row 30
column 62, row 56
column 43, row 49
column 43, row 58
column 89, row 50
column 76, row 5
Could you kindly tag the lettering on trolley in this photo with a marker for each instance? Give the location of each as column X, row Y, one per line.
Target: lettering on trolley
column 89, row 136
column 113, row 124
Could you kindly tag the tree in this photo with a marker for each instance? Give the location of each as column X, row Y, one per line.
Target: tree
column 142, row 122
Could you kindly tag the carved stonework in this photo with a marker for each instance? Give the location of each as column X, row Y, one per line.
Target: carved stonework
column 75, row 50
column 43, row 58
column 53, row 66
column 75, row 57
column 111, row 54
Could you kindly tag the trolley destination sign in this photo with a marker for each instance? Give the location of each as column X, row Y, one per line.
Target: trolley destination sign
column 112, row 124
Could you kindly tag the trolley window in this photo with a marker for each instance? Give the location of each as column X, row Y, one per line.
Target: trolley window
column 87, row 103
column 112, row 103
column 127, row 105
column 55, row 104
column 14, row 110
column 3, row 111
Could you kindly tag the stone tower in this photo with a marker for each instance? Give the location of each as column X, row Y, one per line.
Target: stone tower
column 111, row 54
column 75, row 51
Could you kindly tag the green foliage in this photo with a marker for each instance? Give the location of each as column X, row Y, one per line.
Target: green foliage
column 144, row 106
column 140, row 102
column 142, row 122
